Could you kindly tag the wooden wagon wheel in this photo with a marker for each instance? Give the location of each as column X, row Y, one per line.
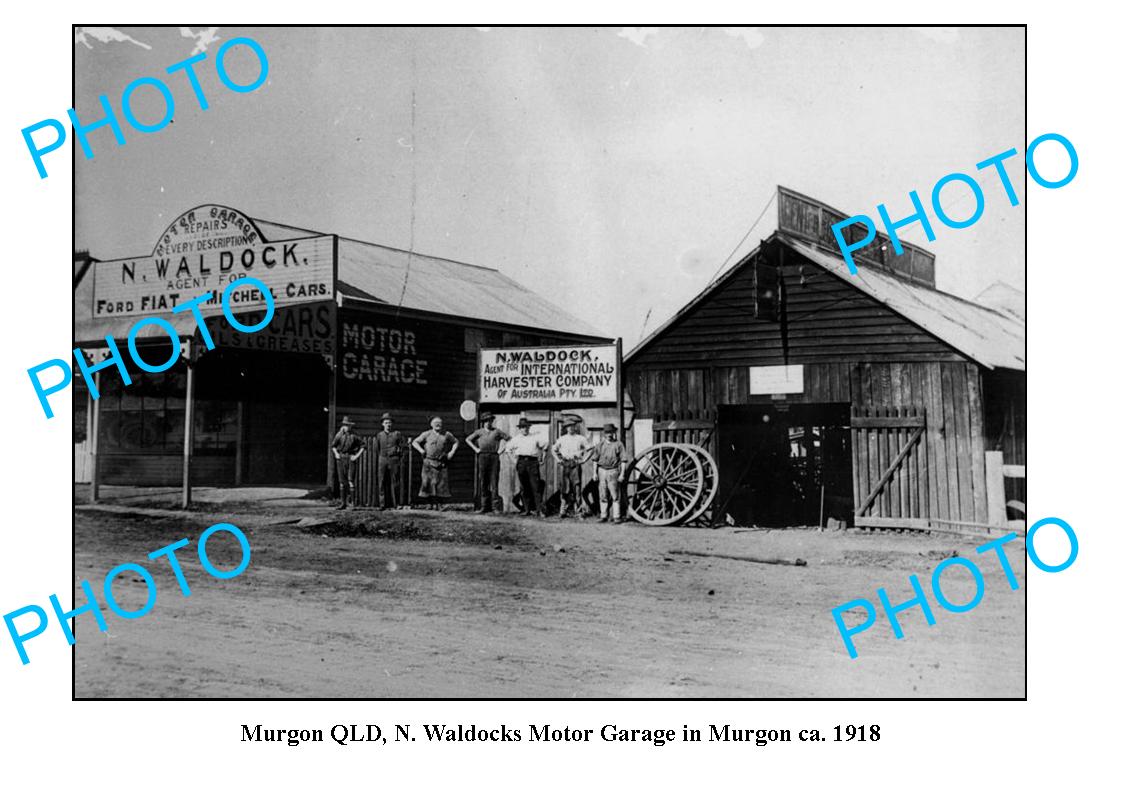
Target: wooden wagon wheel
column 709, row 484
column 664, row 484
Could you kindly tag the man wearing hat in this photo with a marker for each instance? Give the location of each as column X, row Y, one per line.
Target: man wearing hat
column 391, row 446
column 438, row 447
column 486, row 441
column 611, row 456
column 527, row 451
column 346, row 448
column 571, row 451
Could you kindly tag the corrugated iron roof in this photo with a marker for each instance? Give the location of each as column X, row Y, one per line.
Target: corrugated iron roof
column 988, row 336
column 447, row 287
column 1004, row 298
column 377, row 273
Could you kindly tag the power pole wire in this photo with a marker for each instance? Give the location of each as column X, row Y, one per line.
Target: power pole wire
column 413, row 178
column 740, row 243
column 646, row 318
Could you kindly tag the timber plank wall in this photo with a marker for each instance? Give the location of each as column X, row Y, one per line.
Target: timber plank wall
column 854, row 350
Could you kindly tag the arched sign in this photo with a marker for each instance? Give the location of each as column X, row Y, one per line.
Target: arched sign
column 207, row 227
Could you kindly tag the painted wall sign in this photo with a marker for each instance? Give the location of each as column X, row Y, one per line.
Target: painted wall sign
column 570, row 374
column 295, row 271
column 382, row 351
column 775, row 379
column 303, row 329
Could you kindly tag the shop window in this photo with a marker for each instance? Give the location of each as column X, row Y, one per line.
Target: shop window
column 216, row 426
column 144, row 416
column 473, row 340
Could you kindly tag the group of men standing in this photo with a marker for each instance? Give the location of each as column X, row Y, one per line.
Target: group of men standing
column 437, row 447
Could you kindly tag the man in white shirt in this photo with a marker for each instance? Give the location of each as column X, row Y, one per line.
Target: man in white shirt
column 527, row 451
column 571, row 451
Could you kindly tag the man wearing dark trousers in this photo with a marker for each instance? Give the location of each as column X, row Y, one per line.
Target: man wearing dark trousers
column 527, row 451
column 391, row 446
column 346, row 448
column 486, row 441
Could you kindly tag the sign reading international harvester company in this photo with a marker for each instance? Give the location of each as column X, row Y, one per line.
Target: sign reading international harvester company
column 571, row 374
column 207, row 249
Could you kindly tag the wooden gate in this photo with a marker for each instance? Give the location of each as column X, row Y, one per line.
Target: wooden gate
column 890, row 467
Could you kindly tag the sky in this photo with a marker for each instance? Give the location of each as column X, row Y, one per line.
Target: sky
column 612, row 170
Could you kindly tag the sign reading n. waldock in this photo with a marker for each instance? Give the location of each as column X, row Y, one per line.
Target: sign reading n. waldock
column 294, row 270
column 570, row 374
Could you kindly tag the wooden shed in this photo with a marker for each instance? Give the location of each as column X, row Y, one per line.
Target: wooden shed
column 876, row 399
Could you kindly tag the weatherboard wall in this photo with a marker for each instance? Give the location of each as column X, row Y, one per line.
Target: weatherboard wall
column 854, row 350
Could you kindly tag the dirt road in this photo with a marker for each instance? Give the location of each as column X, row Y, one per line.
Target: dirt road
column 455, row 605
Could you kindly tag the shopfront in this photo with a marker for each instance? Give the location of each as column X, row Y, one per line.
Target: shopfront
column 247, row 408
column 260, row 408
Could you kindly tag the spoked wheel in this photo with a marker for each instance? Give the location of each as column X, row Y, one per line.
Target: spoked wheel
column 665, row 483
column 709, row 484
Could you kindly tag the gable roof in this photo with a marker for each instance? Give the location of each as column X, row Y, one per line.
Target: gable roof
column 386, row 275
column 988, row 336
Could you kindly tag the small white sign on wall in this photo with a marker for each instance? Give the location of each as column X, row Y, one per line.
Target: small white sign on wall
column 644, row 434
column 774, row 379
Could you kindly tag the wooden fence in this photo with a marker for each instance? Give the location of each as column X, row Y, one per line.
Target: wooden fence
column 689, row 428
column 1005, row 483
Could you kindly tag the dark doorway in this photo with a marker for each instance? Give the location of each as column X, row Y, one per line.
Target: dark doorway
column 267, row 413
column 782, row 464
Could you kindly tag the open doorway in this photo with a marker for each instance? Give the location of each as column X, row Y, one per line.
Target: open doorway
column 264, row 415
column 785, row 464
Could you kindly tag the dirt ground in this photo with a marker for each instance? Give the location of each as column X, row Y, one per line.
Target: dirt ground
column 451, row 604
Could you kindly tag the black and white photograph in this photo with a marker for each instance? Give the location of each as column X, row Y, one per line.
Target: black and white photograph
column 560, row 363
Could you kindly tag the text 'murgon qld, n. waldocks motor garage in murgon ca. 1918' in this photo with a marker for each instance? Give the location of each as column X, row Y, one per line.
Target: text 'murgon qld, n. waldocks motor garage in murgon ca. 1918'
column 874, row 399
column 359, row 329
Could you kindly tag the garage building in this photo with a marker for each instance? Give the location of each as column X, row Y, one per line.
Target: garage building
column 359, row 329
column 874, row 399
